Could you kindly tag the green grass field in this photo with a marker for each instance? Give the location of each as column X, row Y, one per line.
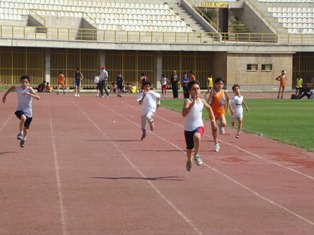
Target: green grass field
column 288, row 121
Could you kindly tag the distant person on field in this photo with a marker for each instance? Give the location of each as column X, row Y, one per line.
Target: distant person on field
column 193, row 122
column 78, row 77
column 96, row 81
column 236, row 108
column 299, row 85
column 209, row 84
column 219, row 101
column 61, row 82
column 41, row 87
column 184, row 82
column 174, row 79
column 163, row 82
column 143, row 79
column 24, row 110
column 191, row 76
column 48, row 88
column 103, row 82
column 150, row 101
column 119, row 84
column 282, row 78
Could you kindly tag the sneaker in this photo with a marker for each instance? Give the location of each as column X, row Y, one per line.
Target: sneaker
column 198, row 160
column 188, row 166
column 143, row 135
column 78, row 95
column 152, row 126
column 238, row 136
column 22, row 143
column 19, row 136
column 216, row 147
column 221, row 129
column 75, row 95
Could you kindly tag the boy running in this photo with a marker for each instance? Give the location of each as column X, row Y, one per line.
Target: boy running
column 193, row 123
column 61, row 81
column 216, row 100
column 24, row 108
column 236, row 108
column 150, row 101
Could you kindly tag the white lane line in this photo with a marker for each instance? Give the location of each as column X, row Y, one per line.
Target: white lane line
column 6, row 122
column 180, row 213
column 239, row 148
column 233, row 180
column 58, row 181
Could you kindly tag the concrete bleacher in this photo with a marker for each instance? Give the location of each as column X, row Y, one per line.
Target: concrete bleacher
column 295, row 19
column 155, row 17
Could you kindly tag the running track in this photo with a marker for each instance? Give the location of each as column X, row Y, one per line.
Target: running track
column 84, row 170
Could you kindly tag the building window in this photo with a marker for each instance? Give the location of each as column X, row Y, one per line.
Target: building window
column 252, row 67
column 267, row 67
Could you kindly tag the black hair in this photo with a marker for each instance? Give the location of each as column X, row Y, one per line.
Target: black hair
column 219, row 80
column 234, row 86
column 25, row 77
column 146, row 83
column 191, row 83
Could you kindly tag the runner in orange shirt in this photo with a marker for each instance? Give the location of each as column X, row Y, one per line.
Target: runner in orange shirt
column 218, row 100
column 283, row 80
column 61, row 81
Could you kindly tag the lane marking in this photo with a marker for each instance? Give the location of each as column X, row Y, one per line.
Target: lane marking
column 6, row 122
column 58, row 181
column 228, row 177
column 159, row 193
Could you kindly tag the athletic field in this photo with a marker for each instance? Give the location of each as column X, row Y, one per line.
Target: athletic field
column 84, row 170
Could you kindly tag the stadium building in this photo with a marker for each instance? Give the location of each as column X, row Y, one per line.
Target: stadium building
column 43, row 37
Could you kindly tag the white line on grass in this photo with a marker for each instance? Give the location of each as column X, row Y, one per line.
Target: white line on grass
column 180, row 213
column 58, row 181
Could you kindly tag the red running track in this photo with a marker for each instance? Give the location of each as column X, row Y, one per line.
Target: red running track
column 84, row 170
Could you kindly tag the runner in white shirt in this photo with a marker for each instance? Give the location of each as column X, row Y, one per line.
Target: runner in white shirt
column 150, row 101
column 236, row 108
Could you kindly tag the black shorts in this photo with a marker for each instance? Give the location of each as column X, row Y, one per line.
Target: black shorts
column 28, row 121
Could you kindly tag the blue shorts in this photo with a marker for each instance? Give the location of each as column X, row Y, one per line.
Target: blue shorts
column 77, row 83
column 28, row 120
column 189, row 136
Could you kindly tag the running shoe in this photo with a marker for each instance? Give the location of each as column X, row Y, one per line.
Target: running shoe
column 22, row 143
column 152, row 126
column 237, row 136
column 221, row 129
column 143, row 135
column 19, row 136
column 188, row 166
column 216, row 147
column 75, row 95
column 198, row 160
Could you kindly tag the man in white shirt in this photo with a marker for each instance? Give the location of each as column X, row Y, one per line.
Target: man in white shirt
column 103, row 82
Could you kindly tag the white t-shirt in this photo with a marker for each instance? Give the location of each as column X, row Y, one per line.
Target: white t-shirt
column 163, row 81
column 194, row 118
column 103, row 75
column 149, row 103
column 236, row 104
column 24, row 101
column 96, row 79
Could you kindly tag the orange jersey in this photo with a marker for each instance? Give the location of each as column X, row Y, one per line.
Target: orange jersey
column 192, row 77
column 61, row 79
column 283, row 80
column 218, row 103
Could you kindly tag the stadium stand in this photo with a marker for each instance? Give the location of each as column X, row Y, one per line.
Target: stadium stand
column 133, row 36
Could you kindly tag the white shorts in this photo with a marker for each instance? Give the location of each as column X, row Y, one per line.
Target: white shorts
column 235, row 116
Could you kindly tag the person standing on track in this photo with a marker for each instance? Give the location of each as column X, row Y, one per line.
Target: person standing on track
column 236, row 108
column 174, row 79
column 119, row 84
column 78, row 77
column 103, row 82
column 24, row 110
column 61, row 82
column 218, row 99
column 193, row 122
column 150, row 101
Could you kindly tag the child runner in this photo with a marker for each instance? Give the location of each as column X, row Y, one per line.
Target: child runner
column 193, row 122
column 150, row 101
column 24, row 108
column 236, row 108
column 61, row 81
column 163, row 82
column 283, row 80
column 78, row 77
column 216, row 100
